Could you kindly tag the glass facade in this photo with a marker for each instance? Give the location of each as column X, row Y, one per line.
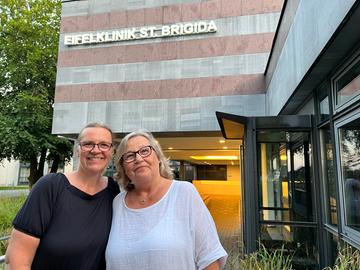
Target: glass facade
column 327, row 160
column 349, row 153
column 348, row 85
column 338, row 121
column 297, row 240
column 324, row 108
column 333, row 244
column 285, row 195
column 284, row 176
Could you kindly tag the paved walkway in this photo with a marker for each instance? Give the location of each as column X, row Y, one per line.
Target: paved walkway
column 13, row 192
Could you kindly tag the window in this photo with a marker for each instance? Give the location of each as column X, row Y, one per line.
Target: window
column 323, row 102
column 347, row 85
column 333, row 244
column 327, row 164
column 24, row 173
column 349, row 158
column 211, row 172
column 284, row 176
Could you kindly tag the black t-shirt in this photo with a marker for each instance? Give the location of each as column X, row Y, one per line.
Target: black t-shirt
column 72, row 225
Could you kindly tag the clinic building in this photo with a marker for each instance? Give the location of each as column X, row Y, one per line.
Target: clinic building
column 257, row 102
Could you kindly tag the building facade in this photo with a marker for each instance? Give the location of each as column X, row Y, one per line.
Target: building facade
column 279, row 80
column 168, row 84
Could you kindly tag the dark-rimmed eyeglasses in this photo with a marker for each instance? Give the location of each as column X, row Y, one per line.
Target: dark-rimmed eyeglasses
column 89, row 146
column 143, row 152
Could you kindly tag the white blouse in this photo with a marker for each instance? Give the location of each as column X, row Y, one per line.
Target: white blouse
column 175, row 233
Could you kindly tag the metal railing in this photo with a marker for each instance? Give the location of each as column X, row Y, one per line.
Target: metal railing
column 2, row 257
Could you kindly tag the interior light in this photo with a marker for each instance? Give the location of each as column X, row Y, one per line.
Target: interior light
column 225, row 147
column 214, row 157
column 222, row 141
column 170, row 148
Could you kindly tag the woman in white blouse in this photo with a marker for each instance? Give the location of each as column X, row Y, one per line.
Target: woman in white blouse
column 158, row 223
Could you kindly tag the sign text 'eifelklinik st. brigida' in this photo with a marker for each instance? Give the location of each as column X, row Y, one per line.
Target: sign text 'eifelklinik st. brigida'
column 179, row 29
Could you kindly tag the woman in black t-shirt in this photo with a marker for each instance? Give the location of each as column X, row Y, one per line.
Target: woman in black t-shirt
column 66, row 219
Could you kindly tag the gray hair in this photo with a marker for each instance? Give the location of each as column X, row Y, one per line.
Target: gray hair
column 164, row 167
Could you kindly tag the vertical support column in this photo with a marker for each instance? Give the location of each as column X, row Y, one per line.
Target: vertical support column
column 182, row 170
column 251, row 210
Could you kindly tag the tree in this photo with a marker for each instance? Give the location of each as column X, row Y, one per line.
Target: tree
column 29, row 34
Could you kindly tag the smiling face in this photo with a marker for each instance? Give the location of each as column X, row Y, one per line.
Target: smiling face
column 94, row 160
column 142, row 168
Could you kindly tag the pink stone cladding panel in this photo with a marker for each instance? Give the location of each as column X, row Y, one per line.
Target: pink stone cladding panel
column 200, row 48
column 204, row 10
column 196, row 87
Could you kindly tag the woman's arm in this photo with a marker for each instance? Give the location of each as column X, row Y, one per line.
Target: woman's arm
column 21, row 251
column 213, row 266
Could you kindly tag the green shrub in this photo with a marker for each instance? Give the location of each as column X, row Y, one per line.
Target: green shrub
column 269, row 260
column 260, row 260
column 9, row 206
column 347, row 259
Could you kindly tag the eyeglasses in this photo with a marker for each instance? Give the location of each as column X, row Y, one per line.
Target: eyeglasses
column 89, row 146
column 143, row 152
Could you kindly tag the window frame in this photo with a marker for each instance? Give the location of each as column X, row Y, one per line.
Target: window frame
column 334, row 85
column 325, row 182
column 347, row 231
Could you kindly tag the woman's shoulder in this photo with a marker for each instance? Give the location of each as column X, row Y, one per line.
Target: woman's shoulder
column 113, row 186
column 184, row 186
column 119, row 198
column 51, row 180
column 50, row 184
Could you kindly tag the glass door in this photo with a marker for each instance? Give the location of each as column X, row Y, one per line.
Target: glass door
column 285, row 195
column 277, row 185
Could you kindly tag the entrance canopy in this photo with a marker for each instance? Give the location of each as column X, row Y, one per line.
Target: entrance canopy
column 232, row 126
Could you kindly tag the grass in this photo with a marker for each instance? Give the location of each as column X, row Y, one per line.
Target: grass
column 16, row 187
column 348, row 259
column 260, row 260
column 9, row 206
column 269, row 260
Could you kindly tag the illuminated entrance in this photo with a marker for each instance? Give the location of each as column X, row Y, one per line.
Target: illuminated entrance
column 212, row 164
column 277, row 184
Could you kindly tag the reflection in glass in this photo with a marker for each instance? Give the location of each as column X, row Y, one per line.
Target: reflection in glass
column 324, row 108
column 349, row 136
column 348, row 85
column 300, row 241
column 284, row 176
column 327, row 163
column 333, row 247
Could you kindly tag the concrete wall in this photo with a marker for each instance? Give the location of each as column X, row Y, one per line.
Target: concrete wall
column 313, row 25
column 233, row 173
column 163, row 84
column 184, row 114
column 9, row 172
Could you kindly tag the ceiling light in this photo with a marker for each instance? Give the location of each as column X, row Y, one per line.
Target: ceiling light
column 222, row 141
column 214, row 157
column 170, row 148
